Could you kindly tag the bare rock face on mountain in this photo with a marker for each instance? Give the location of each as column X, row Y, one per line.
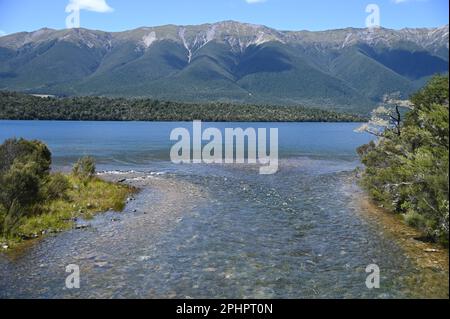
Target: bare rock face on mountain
column 348, row 69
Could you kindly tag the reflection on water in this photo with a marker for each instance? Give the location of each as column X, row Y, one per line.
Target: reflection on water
column 201, row 231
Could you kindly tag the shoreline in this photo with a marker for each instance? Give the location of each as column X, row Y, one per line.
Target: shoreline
column 430, row 259
column 428, row 254
column 155, row 202
column 174, row 121
column 62, row 220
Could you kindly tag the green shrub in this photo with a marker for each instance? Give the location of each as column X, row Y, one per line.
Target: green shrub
column 20, row 184
column 24, row 167
column 408, row 173
column 84, row 168
column 56, row 187
column 34, row 153
column 11, row 219
column 414, row 219
column 33, row 200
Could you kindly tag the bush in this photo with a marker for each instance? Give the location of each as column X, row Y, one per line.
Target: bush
column 33, row 200
column 84, row 168
column 56, row 187
column 24, row 167
column 414, row 219
column 20, row 183
column 10, row 220
column 408, row 172
column 33, row 153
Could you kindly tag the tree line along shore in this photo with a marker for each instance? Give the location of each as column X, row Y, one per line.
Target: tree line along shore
column 19, row 106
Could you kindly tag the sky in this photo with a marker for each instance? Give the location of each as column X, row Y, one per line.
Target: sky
column 120, row 15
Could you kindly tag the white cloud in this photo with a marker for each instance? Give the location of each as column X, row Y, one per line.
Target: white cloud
column 255, row 1
column 89, row 5
column 2, row 33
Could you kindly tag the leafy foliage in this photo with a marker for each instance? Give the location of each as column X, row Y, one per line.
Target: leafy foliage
column 408, row 171
column 25, row 152
column 84, row 168
column 24, row 167
column 32, row 200
column 56, row 187
column 16, row 106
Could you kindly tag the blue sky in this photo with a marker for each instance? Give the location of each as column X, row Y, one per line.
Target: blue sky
column 118, row 15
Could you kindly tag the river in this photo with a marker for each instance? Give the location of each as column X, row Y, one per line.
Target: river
column 218, row 231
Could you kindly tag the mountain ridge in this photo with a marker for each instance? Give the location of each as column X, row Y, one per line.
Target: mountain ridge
column 344, row 69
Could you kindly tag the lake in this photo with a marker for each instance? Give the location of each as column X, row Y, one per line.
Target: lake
column 222, row 231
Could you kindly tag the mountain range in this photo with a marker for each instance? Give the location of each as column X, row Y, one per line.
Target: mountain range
column 346, row 70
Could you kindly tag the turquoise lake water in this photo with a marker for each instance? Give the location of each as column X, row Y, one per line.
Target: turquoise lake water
column 203, row 231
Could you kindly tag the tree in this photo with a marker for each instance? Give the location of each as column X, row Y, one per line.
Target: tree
column 388, row 116
column 407, row 168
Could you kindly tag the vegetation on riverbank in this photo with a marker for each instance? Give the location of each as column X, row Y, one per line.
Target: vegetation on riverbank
column 18, row 106
column 407, row 168
column 35, row 202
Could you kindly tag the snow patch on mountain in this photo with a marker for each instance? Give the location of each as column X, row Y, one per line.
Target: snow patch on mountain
column 211, row 33
column 149, row 39
column 181, row 34
column 347, row 40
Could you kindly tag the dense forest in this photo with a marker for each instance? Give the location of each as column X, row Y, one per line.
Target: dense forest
column 407, row 167
column 18, row 106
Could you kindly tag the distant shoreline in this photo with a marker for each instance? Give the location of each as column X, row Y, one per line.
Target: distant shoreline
column 176, row 121
column 19, row 106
